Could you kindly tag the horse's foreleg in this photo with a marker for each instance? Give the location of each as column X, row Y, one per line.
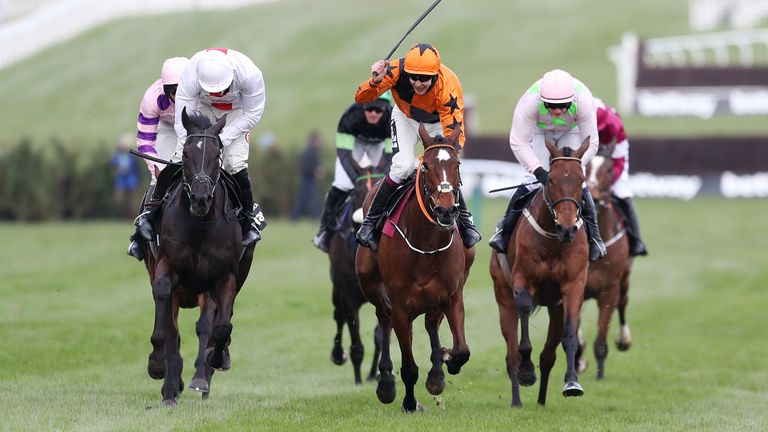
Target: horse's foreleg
column 436, row 378
column 385, row 390
column 572, row 300
column 409, row 371
column 624, row 336
column 204, row 326
column 162, row 288
column 526, row 371
column 549, row 352
column 377, row 341
column 356, row 348
column 459, row 354
column 606, row 303
column 338, row 356
column 222, row 324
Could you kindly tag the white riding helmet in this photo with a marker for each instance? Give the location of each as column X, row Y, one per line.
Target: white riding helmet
column 171, row 71
column 214, row 71
column 557, row 87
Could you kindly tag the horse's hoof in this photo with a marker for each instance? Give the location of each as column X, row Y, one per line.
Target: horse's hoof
column 205, row 395
column 435, row 383
column 156, row 366
column 168, row 403
column 198, row 385
column 572, row 388
column 582, row 366
column 212, row 362
column 526, row 378
column 386, row 391
column 372, row 377
column 338, row 357
column 623, row 346
column 419, row 408
column 456, row 361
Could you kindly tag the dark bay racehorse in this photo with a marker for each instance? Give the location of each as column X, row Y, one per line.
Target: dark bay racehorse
column 199, row 253
column 546, row 265
column 608, row 278
column 421, row 270
column 347, row 296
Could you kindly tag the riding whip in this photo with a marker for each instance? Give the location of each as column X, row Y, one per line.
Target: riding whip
column 152, row 158
column 514, row 187
column 411, row 29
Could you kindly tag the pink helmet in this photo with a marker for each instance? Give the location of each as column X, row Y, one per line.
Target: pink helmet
column 557, row 87
column 171, row 71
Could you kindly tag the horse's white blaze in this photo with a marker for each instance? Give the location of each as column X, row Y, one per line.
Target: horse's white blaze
column 199, row 144
column 443, row 155
column 597, row 162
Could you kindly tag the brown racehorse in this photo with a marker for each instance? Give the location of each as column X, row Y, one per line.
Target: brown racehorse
column 548, row 258
column 421, row 270
column 347, row 296
column 608, row 278
column 199, row 254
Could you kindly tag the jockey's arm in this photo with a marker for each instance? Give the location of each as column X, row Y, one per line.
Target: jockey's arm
column 253, row 101
column 523, row 127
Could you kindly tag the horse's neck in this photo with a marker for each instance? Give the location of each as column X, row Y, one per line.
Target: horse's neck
column 540, row 212
column 419, row 229
column 181, row 204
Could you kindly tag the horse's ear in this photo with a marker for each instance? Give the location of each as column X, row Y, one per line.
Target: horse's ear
column 185, row 119
column 453, row 138
column 550, row 143
column 582, row 149
column 424, row 135
column 220, row 123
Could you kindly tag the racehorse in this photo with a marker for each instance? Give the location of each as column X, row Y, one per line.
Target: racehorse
column 198, row 254
column 545, row 265
column 608, row 278
column 421, row 269
column 347, row 296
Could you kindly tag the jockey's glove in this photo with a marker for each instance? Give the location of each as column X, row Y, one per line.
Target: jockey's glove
column 542, row 175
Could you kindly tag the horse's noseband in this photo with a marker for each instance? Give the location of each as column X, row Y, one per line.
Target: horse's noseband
column 201, row 176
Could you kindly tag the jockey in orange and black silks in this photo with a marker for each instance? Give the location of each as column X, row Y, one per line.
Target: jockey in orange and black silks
column 427, row 92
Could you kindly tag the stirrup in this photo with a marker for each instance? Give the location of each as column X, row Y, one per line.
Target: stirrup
column 596, row 250
column 252, row 236
column 497, row 241
column 321, row 241
column 135, row 250
column 144, row 227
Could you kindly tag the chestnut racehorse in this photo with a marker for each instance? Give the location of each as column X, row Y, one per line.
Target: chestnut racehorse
column 546, row 265
column 421, row 269
column 608, row 278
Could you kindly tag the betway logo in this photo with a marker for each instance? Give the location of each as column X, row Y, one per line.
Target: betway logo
column 676, row 103
column 748, row 186
column 665, row 186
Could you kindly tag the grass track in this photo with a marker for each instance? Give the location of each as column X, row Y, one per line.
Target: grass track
column 76, row 316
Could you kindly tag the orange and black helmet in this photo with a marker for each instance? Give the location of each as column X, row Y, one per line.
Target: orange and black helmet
column 422, row 59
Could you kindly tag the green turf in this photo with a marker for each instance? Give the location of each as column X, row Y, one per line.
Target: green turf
column 315, row 53
column 76, row 315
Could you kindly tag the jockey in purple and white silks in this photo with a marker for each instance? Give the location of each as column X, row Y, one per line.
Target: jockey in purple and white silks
column 562, row 108
column 219, row 81
column 156, row 135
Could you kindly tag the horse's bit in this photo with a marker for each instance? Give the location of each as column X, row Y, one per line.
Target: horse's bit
column 201, row 176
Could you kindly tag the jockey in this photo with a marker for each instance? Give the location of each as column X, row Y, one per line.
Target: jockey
column 216, row 82
column 425, row 92
column 363, row 132
column 156, row 135
column 611, row 131
column 561, row 107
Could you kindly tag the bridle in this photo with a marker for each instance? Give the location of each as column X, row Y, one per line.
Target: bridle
column 443, row 187
column 552, row 204
column 201, row 176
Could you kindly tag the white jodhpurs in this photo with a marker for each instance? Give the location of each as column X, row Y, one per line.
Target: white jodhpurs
column 405, row 135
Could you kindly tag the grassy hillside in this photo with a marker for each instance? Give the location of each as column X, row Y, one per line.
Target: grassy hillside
column 76, row 316
column 314, row 54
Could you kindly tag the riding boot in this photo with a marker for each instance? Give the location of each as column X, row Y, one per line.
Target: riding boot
column 467, row 229
column 332, row 200
column 636, row 245
column 249, row 217
column 151, row 208
column 507, row 223
column 596, row 246
column 367, row 235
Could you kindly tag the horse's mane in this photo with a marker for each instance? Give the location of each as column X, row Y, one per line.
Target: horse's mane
column 200, row 120
column 567, row 152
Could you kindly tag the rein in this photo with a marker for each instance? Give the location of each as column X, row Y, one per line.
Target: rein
column 551, row 205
